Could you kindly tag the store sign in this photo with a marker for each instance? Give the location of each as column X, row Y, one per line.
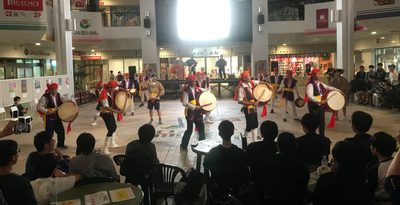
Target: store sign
column 87, row 58
column 322, row 18
column 383, row 2
column 89, row 29
column 25, row 5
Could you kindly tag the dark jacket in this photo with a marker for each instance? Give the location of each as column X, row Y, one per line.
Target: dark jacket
column 312, row 147
column 363, row 143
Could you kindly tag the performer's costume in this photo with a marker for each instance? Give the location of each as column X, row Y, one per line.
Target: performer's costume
column 289, row 86
column 192, row 115
column 204, row 84
column 245, row 93
column 275, row 81
column 107, row 100
column 155, row 90
column 128, row 84
column 142, row 93
column 99, row 88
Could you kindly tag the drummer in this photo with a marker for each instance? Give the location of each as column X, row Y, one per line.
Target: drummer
column 275, row 80
column 47, row 107
column 128, row 85
column 341, row 83
column 193, row 112
column 246, row 98
column 314, row 90
column 107, row 110
column 203, row 82
column 155, row 90
column 289, row 86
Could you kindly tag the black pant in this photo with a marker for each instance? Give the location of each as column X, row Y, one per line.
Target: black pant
column 109, row 120
column 251, row 119
column 221, row 70
column 193, row 70
column 55, row 125
column 189, row 129
column 320, row 112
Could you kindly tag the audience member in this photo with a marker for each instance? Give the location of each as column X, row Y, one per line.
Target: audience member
column 45, row 186
column 361, row 74
column 371, row 71
column 44, row 143
column 393, row 75
column 287, row 177
column 346, row 183
column 382, row 146
column 311, row 147
column 392, row 181
column 140, row 156
column 361, row 123
column 380, row 73
column 226, row 161
column 89, row 162
column 21, row 109
column 16, row 189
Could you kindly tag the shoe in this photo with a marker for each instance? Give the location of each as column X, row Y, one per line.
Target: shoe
column 124, row 113
column 272, row 111
column 159, row 122
column 132, row 114
column 284, row 120
column 141, row 105
column 151, row 121
column 106, row 145
column 62, row 147
column 94, row 124
column 183, row 148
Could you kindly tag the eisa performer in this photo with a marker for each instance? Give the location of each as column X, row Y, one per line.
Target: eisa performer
column 193, row 111
column 47, row 107
column 128, row 84
column 314, row 92
column 106, row 100
column 245, row 97
column 155, row 90
column 275, row 80
column 98, row 89
column 289, row 86
column 203, row 82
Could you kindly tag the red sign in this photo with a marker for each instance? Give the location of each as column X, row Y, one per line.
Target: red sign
column 322, row 18
column 87, row 58
column 26, row 5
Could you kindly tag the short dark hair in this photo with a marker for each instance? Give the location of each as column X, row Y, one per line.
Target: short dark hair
column 45, row 165
column 226, row 129
column 40, row 139
column 146, row 133
column 380, row 64
column 16, row 98
column 361, row 121
column 286, row 142
column 361, row 66
column 345, row 154
column 85, row 143
column 269, row 130
column 8, row 148
column 384, row 143
column 310, row 121
column 371, row 66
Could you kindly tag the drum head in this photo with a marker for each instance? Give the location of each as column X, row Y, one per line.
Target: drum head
column 299, row 102
column 262, row 93
column 336, row 100
column 121, row 98
column 209, row 99
column 68, row 111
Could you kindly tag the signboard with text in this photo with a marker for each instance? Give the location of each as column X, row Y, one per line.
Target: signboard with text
column 322, row 18
column 22, row 15
column 89, row 27
column 24, row 5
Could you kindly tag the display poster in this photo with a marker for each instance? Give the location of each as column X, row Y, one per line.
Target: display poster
column 2, row 73
column 322, row 18
column 12, row 87
column 89, row 27
column 67, row 82
column 37, row 86
column 24, row 86
column 60, row 83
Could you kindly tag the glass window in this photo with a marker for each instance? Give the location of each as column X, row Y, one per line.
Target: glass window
column 28, row 72
column 19, row 61
column 28, row 61
column 36, row 61
column 20, row 72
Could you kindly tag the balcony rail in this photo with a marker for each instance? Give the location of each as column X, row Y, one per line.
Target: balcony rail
column 121, row 19
column 289, row 10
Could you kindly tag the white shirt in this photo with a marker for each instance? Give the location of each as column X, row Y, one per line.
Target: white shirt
column 393, row 77
column 41, row 187
column 42, row 105
column 185, row 101
column 242, row 93
column 310, row 90
column 380, row 192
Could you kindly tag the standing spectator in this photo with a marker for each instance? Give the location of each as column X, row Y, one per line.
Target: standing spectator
column 287, row 177
column 119, row 77
column 191, row 63
column 380, row 73
column 221, row 63
column 341, row 83
column 346, row 183
column 361, row 74
column 300, row 9
column 112, row 76
column 393, row 75
column 382, row 146
column 16, row 189
column 361, row 123
column 89, row 162
column 311, row 147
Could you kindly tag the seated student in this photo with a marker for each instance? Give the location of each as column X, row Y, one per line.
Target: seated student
column 46, row 185
column 21, row 109
column 311, row 147
column 392, row 181
column 89, row 162
column 140, row 156
column 361, row 123
column 287, row 177
column 44, row 143
column 226, row 162
column 16, row 189
column 382, row 146
column 346, row 183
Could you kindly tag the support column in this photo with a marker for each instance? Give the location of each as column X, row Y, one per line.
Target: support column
column 150, row 53
column 345, row 37
column 63, row 41
column 259, row 47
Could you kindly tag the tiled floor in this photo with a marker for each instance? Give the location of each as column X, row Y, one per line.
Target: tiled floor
column 170, row 132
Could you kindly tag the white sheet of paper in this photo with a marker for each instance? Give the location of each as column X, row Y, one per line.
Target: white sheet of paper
column 124, row 194
column 24, row 95
column 70, row 202
column 98, row 198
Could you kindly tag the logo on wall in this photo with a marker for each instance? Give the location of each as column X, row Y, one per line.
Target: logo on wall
column 383, row 2
column 85, row 23
column 26, row 5
column 322, row 18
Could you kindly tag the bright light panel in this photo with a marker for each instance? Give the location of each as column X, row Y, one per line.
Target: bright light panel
column 203, row 20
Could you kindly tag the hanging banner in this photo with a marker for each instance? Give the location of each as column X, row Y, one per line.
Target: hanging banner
column 322, row 18
column 89, row 27
column 22, row 15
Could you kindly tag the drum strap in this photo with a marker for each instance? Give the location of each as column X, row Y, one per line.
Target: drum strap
column 288, row 89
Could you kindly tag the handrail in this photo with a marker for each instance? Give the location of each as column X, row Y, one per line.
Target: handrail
column 121, row 19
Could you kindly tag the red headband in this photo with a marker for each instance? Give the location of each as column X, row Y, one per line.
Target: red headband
column 126, row 74
column 245, row 74
column 191, row 78
column 314, row 71
column 52, row 86
column 199, row 73
column 112, row 84
column 99, row 84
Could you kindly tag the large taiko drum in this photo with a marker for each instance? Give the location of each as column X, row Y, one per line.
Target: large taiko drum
column 68, row 111
column 299, row 102
column 334, row 100
column 122, row 99
column 207, row 101
column 262, row 92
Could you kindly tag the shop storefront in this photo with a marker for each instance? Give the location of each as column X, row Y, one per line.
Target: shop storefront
column 388, row 56
column 11, row 68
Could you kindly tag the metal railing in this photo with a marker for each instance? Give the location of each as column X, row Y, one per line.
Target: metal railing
column 121, row 19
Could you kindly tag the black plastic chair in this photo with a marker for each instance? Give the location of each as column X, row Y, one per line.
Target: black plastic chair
column 163, row 181
column 118, row 159
column 217, row 194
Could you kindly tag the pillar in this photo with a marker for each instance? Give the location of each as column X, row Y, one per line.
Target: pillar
column 63, row 41
column 345, row 37
column 259, row 47
column 150, row 53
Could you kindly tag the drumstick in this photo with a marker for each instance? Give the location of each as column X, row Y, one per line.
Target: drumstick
column 126, row 100
column 262, row 93
column 331, row 96
column 206, row 105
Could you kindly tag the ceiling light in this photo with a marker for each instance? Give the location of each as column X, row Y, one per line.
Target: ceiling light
column 161, row 48
column 382, row 37
column 37, row 44
column 373, row 33
column 73, row 48
column 393, row 41
column 284, row 44
column 92, row 50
